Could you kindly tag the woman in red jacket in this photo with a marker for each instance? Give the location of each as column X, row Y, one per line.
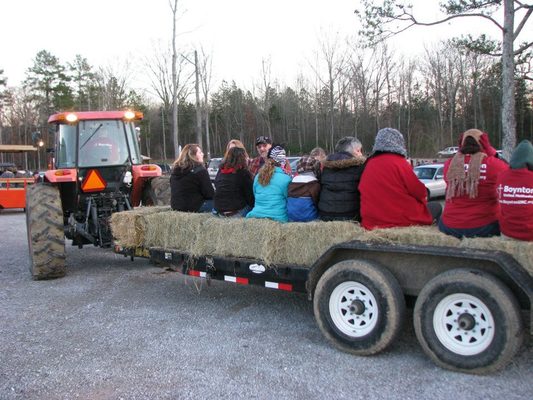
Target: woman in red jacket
column 515, row 194
column 391, row 194
column 471, row 207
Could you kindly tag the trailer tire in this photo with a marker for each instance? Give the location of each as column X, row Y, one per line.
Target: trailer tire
column 46, row 238
column 157, row 192
column 359, row 307
column 468, row 321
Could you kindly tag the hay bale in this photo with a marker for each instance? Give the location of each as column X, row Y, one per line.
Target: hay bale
column 303, row 243
column 174, row 230
column 129, row 227
column 274, row 243
column 238, row 237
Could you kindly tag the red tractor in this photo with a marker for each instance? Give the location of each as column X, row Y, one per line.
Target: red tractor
column 96, row 170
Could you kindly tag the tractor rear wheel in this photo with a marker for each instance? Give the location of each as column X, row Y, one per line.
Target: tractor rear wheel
column 46, row 238
column 157, row 192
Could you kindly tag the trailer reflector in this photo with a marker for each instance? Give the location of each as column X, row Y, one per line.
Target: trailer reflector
column 199, row 274
column 280, row 286
column 236, row 279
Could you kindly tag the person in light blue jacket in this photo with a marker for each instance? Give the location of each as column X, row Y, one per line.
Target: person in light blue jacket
column 271, row 188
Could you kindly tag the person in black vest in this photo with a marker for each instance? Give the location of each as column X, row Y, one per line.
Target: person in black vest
column 234, row 196
column 190, row 186
column 339, row 195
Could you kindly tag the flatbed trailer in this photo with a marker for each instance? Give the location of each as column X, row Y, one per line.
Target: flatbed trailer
column 472, row 307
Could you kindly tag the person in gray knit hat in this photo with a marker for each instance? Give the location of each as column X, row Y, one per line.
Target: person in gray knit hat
column 389, row 140
column 391, row 194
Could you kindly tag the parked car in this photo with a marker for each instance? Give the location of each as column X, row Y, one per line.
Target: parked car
column 448, row 151
column 293, row 161
column 212, row 167
column 432, row 176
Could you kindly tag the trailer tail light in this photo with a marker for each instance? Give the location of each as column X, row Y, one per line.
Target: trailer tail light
column 63, row 172
column 93, row 182
column 149, row 168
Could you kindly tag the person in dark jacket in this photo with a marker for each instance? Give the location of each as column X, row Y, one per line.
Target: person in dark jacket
column 339, row 195
column 234, row 196
column 190, row 186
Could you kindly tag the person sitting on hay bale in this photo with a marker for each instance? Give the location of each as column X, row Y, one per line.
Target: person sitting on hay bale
column 237, row 143
column 271, row 186
column 515, row 194
column 304, row 191
column 339, row 196
column 263, row 144
column 471, row 208
column 234, row 196
column 190, row 186
column 391, row 194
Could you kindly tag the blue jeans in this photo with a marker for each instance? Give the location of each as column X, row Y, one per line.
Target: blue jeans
column 238, row 214
column 206, row 207
column 492, row 229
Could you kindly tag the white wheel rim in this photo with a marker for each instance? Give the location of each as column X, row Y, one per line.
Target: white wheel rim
column 466, row 339
column 353, row 309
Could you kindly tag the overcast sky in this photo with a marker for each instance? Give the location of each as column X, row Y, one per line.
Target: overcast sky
column 238, row 33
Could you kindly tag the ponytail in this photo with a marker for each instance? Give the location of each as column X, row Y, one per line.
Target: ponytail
column 266, row 172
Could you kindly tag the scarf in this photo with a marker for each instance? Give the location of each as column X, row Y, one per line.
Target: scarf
column 461, row 182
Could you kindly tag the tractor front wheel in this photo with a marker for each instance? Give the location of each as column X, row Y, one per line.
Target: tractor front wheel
column 46, row 239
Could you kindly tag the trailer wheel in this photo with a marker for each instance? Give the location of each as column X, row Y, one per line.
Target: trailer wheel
column 359, row 307
column 44, row 225
column 468, row 321
column 157, row 192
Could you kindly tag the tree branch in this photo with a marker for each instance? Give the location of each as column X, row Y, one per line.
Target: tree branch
column 523, row 22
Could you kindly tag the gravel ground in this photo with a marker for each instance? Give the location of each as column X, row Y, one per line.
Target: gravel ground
column 116, row 329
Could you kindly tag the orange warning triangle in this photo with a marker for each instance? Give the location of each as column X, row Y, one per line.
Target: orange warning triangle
column 93, row 182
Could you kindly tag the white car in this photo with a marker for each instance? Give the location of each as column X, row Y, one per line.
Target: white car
column 448, row 151
column 432, row 176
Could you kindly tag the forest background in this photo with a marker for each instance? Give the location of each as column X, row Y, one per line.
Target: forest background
column 349, row 89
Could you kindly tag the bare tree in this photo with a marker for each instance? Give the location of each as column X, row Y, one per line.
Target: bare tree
column 163, row 83
column 206, row 73
column 392, row 17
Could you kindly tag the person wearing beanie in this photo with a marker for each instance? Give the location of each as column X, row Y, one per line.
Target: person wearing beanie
column 304, row 191
column 339, row 196
column 471, row 208
column 515, row 194
column 263, row 144
column 271, row 186
column 391, row 194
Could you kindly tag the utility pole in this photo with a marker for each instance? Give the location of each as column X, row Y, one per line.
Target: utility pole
column 198, row 110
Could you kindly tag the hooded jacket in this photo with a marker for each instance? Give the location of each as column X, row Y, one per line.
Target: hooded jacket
column 463, row 211
column 189, row 188
column 515, row 194
column 234, row 189
column 339, row 193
